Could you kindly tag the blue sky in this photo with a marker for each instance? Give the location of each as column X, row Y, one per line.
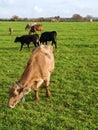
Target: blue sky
column 47, row 8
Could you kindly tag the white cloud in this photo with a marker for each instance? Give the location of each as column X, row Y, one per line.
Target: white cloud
column 9, row 1
column 38, row 9
column 12, row 1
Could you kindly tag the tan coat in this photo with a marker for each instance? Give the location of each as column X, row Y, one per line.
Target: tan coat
column 37, row 71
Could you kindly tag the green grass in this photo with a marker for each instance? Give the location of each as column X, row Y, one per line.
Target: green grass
column 73, row 85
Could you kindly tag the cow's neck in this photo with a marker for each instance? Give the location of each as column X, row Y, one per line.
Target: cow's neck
column 25, row 83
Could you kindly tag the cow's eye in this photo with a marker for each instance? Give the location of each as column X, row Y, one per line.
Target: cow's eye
column 20, row 90
column 14, row 95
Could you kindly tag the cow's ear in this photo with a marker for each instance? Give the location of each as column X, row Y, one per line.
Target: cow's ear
column 13, row 84
column 26, row 90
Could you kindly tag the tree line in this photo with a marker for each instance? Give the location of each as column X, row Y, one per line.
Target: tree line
column 74, row 18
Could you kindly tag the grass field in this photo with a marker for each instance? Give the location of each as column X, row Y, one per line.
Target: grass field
column 73, row 85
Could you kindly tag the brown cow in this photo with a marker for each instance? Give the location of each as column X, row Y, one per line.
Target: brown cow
column 10, row 30
column 28, row 26
column 37, row 71
column 36, row 27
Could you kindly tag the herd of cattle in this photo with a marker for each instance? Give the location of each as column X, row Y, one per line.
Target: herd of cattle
column 38, row 69
column 34, row 38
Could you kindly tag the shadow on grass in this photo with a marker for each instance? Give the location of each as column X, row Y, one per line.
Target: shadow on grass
column 16, row 49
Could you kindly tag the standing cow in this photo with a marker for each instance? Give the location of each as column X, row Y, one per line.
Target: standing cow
column 37, row 71
column 49, row 36
column 27, row 39
column 28, row 26
column 10, row 30
column 36, row 27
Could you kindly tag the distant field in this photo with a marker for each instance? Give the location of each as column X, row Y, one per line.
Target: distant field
column 73, row 85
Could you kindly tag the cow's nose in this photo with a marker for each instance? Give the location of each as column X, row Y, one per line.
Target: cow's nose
column 10, row 106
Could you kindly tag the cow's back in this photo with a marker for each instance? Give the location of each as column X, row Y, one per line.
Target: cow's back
column 45, row 61
column 48, row 36
column 40, row 64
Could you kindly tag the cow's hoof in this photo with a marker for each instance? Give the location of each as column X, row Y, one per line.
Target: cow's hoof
column 48, row 95
column 36, row 99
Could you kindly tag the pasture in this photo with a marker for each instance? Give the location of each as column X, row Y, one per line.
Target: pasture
column 73, row 85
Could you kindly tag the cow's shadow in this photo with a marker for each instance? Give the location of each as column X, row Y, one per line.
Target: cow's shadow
column 15, row 49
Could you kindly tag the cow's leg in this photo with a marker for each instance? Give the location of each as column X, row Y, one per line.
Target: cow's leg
column 46, row 42
column 54, row 42
column 29, row 32
column 38, row 43
column 36, row 86
column 36, row 95
column 21, row 46
column 28, row 46
column 46, row 83
column 35, row 44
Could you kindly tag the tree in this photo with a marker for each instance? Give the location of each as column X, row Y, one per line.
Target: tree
column 89, row 18
column 15, row 18
column 77, row 17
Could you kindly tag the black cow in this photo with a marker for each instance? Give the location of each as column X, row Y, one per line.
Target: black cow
column 27, row 39
column 49, row 36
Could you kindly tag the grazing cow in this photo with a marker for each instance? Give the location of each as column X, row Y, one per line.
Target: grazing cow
column 27, row 39
column 49, row 36
column 28, row 26
column 36, row 27
column 10, row 30
column 37, row 71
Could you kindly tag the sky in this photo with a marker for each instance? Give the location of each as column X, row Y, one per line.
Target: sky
column 47, row 8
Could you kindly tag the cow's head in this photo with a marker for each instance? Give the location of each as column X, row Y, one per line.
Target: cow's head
column 16, row 93
column 16, row 39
